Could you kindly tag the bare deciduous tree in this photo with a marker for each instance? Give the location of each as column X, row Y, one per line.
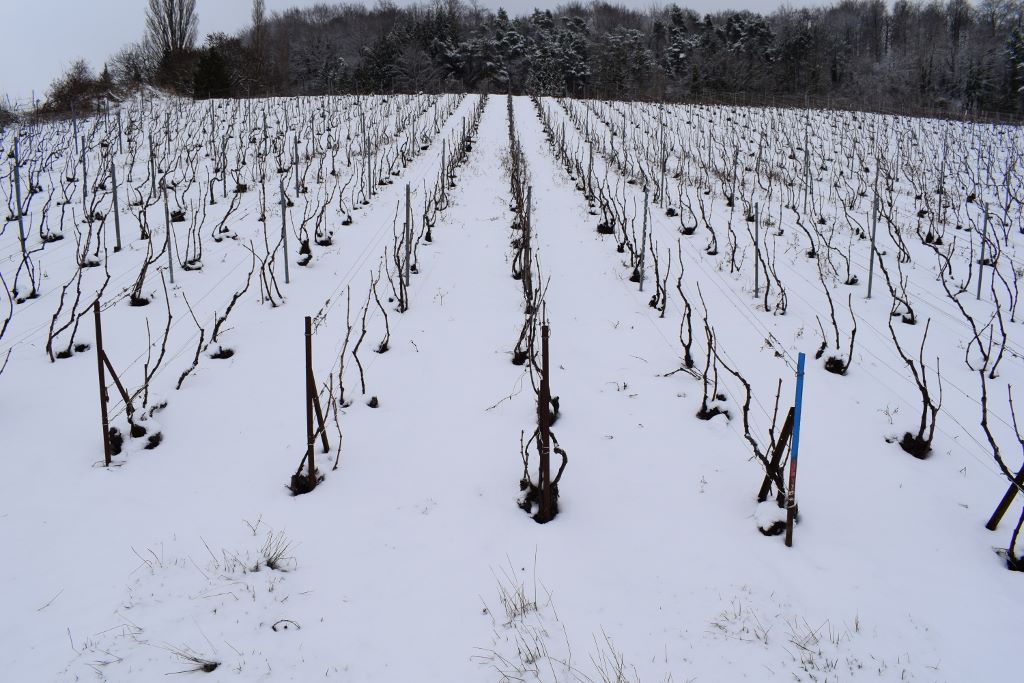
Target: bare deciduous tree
column 171, row 25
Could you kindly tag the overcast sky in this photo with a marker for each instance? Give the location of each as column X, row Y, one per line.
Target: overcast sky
column 42, row 37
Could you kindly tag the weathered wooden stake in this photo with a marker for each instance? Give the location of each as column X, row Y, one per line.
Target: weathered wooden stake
column 310, row 393
column 774, row 474
column 103, row 385
column 1004, row 504
column 547, row 499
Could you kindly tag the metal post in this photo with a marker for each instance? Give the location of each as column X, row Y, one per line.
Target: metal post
column 85, row 180
column 643, row 241
column 296, row 148
column 117, row 213
column 169, row 242
column 807, row 172
column 871, row 260
column 942, row 168
column 663, row 185
column 152, row 168
column 408, row 237
column 17, row 197
column 981, row 261
column 103, row 384
column 74, row 124
column 366, row 150
column 590, row 168
column 757, row 248
column 791, row 503
column 527, row 245
column 284, row 230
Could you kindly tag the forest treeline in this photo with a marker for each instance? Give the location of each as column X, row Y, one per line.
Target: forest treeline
column 952, row 56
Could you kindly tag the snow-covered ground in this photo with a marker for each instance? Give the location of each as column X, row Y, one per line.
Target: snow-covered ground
column 411, row 560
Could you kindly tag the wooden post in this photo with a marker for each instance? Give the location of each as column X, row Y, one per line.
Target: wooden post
column 117, row 213
column 103, row 384
column 310, row 393
column 773, row 474
column 17, row 197
column 120, row 141
column 547, row 501
column 874, row 229
column 284, row 230
column 1004, row 504
column 791, row 503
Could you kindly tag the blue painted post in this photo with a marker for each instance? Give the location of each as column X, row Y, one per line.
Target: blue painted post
column 791, row 502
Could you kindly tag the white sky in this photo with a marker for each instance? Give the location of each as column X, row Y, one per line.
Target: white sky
column 42, row 37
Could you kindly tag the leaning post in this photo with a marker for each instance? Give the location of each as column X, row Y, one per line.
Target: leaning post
column 797, row 409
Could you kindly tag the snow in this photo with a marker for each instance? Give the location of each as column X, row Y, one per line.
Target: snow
column 411, row 560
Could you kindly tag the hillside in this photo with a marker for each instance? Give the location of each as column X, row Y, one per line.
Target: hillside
column 432, row 240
